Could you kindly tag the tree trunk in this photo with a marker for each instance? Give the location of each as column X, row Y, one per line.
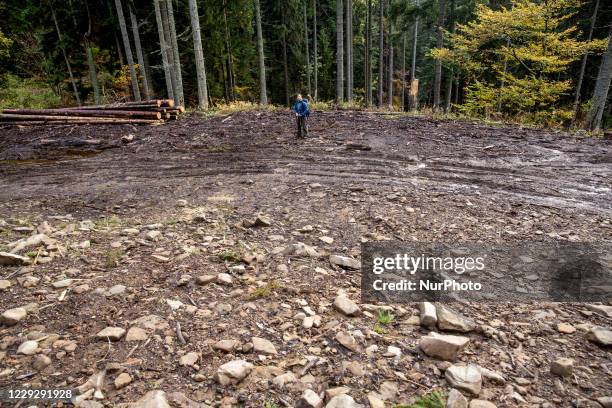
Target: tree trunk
column 263, row 95
column 381, row 51
column 316, row 56
column 403, row 71
column 285, row 61
column 390, row 62
column 583, row 65
column 339, row 53
column 93, row 75
column 438, row 63
column 175, row 55
column 139, row 54
column 163, row 48
column 199, row 55
column 228, row 49
column 307, row 49
column 449, row 86
column 128, row 50
column 349, row 51
column 168, row 50
column 59, row 36
column 368, row 56
column 600, row 94
column 414, row 102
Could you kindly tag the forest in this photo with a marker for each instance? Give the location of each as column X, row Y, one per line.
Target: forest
column 538, row 62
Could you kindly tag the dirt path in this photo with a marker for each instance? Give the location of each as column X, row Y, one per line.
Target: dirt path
column 136, row 226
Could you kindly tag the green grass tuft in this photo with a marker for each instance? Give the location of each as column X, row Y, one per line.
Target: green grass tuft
column 435, row 399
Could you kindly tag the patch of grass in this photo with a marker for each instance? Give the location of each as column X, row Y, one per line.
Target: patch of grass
column 26, row 93
column 111, row 222
column 31, row 254
column 172, row 221
column 239, row 106
column 230, row 256
column 264, row 291
column 435, row 399
column 113, row 257
column 270, row 404
column 385, row 317
column 379, row 329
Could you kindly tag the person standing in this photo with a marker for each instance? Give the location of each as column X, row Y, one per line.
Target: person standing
column 302, row 112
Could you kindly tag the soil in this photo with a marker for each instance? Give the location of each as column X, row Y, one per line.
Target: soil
column 358, row 176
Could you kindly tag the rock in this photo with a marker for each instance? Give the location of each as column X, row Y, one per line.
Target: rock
column 346, row 306
column 189, row 359
column 224, row 279
column 13, row 259
column 226, row 345
column 151, row 323
column 259, row 221
column 122, row 380
column 301, row 249
column 152, row 399
column 566, row 328
column 344, row 262
column 263, row 346
column 562, row 367
column 603, row 310
column 493, row 376
column 310, row 399
column 233, row 372
column 605, row 402
column 136, row 334
column 343, row 401
column 476, row 403
column 5, row 284
column 464, row 377
column 452, row 321
column 111, row 333
column 284, row 379
column 180, row 400
column 327, row 240
column 443, row 347
column 389, row 390
column 41, row 362
column 28, row 348
column 153, row 235
column 332, row 392
column 428, row 315
column 115, row 290
column 600, row 335
column 348, row 341
column 456, row 400
column 375, row 400
column 12, row 316
column 586, row 403
column 205, row 279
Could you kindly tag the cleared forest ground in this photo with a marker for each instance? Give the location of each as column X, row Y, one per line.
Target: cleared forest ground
column 136, row 223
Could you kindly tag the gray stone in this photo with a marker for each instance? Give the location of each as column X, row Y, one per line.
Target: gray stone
column 443, row 347
column 605, row 402
column 427, row 314
column 233, row 372
column 346, row 306
column 111, row 333
column 452, row 321
column 476, row 403
column 122, row 380
column 263, row 346
column 310, row 399
column 302, row 250
column 562, row 367
column 456, row 400
column 600, row 335
column 136, row 334
column 151, row 323
column 224, row 279
column 5, row 284
column 41, row 362
column 13, row 259
column 189, row 359
column 344, row 262
column 28, row 348
column 343, row 401
column 465, row 377
column 152, row 399
column 226, row 345
column 205, row 279
column 12, row 316
column 348, row 341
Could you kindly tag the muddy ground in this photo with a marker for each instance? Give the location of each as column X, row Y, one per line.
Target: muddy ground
column 105, row 191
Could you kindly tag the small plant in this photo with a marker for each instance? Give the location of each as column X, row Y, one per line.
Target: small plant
column 264, row 291
column 113, row 257
column 31, row 254
column 270, row 404
column 385, row 317
column 113, row 221
column 379, row 329
column 230, row 256
column 435, row 399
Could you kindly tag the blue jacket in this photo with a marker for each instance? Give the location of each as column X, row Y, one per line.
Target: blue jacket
column 301, row 108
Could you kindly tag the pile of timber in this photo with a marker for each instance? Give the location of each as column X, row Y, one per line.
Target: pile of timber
column 143, row 112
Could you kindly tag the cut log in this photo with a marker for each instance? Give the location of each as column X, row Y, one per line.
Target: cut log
column 85, row 113
column 17, row 119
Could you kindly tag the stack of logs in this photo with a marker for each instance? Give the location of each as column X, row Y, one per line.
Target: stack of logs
column 144, row 112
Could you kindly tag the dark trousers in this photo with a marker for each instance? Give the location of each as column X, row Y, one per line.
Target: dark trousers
column 302, row 126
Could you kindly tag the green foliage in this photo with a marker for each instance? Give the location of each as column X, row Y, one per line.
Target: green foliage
column 435, row 399
column 513, row 57
column 270, row 404
column 264, row 291
column 26, row 93
column 230, row 256
column 5, row 45
column 385, row 317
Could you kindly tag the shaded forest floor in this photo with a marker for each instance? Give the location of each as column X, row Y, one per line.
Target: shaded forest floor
column 137, row 217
